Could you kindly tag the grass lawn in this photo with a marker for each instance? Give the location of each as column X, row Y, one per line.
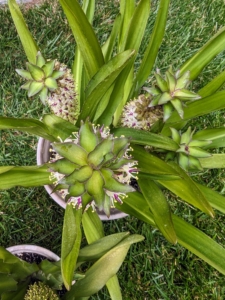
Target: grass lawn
column 153, row 269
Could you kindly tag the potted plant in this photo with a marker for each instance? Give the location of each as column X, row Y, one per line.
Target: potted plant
column 166, row 153
column 21, row 279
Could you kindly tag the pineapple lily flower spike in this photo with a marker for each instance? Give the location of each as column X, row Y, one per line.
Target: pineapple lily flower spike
column 171, row 92
column 54, row 84
column 94, row 166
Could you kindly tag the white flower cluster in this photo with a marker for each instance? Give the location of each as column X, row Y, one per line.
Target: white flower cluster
column 137, row 113
column 62, row 102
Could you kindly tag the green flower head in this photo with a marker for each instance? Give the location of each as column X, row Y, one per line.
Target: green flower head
column 93, row 168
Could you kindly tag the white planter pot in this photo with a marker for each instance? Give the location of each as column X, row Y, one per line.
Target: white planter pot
column 43, row 156
column 18, row 249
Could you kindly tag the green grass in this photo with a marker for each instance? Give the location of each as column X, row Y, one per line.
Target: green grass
column 153, row 269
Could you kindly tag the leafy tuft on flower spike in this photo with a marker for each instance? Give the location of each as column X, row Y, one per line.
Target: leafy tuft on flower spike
column 189, row 150
column 171, row 92
column 93, row 168
column 138, row 113
column 41, row 77
column 53, row 82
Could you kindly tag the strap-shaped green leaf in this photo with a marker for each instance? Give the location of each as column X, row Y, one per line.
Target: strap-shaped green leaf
column 24, row 176
column 78, row 70
column 27, row 125
column 216, row 161
column 213, row 86
column 127, row 8
column 150, row 164
column 71, row 239
column 215, row 199
column 100, row 83
column 58, row 127
column 84, row 35
column 197, row 62
column 187, row 190
column 107, row 48
column 97, row 249
column 200, row 244
column 132, row 40
column 159, row 208
column 142, row 137
column 117, row 95
column 29, row 45
column 154, row 43
column 93, row 229
column 105, row 268
column 137, row 25
column 187, row 235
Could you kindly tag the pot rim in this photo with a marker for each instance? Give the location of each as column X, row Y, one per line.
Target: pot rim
column 17, row 249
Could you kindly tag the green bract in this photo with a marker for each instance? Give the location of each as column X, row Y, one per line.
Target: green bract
column 41, row 77
column 94, row 167
column 171, row 92
column 189, row 150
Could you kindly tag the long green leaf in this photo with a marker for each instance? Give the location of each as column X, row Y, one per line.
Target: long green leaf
column 187, row 190
column 71, row 239
column 197, row 62
column 93, row 230
column 107, row 48
column 137, row 26
column 98, row 248
column 216, row 161
column 117, row 95
column 127, row 8
column 213, row 86
column 147, row 138
column 200, row 244
column 133, row 40
column 151, row 51
column 29, row 45
column 136, row 205
column 78, row 70
column 84, row 35
column 27, row 125
column 126, row 92
column 106, row 267
column 150, row 164
column 214, row 198
column 59, row 128
column 100, row 83
column 159, row 208
column 24, row 176
column 188, row 236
